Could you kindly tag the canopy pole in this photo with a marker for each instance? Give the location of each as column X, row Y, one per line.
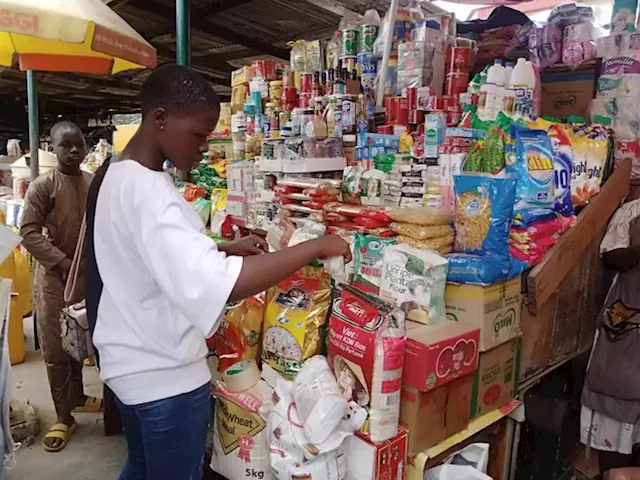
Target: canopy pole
column 388, row 40
column 34, row 127
column 183, row 46
column 183, row 29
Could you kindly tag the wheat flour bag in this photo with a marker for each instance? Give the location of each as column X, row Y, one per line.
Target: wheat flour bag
column 415, row 280
column 240, row 440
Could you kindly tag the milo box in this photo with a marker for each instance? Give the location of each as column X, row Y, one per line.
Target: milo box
column 350, row 42
column 368, row 36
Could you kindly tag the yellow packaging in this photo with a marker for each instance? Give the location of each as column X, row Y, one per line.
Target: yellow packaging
column 238, row 337
column 240, row 76
column 296, row 314
column 495, row 309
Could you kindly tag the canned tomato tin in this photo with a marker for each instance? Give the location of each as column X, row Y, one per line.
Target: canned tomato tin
column 459, row 59
column 305, row 100
column 385, row 129
column 412, row 97
column 416, row 117
column 306, row 82
column 456, row 83
column 397, row 111
column 453, row 117
column 434, row 103
column 450, row 103
column 289, row 99
column 469, row 98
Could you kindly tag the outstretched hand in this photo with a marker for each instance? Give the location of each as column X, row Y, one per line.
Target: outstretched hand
column 247, row 246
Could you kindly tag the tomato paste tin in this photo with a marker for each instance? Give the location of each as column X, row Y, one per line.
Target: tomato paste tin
column 397, row 110
column 459, row 59
column 456, row 83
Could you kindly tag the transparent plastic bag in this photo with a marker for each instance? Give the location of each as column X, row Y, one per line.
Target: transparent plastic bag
column 420, row 216
column 421, row 232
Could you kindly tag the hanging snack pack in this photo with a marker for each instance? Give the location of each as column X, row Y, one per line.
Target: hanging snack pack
column 530, row 158
column 296, row 313
column 367, row 255
column 484, row 207
column 240, row 442
column 238, row 337
column 415, row 280
column 365, row 349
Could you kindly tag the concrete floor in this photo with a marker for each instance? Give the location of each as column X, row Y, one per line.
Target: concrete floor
column 89, row 455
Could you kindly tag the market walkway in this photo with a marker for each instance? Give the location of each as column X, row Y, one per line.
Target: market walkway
column 89, row 455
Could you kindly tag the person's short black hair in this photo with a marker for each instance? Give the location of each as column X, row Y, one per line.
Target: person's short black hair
column 177, row 88
column 62, row 126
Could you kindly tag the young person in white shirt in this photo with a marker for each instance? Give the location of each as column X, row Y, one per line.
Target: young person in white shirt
column 157, row 285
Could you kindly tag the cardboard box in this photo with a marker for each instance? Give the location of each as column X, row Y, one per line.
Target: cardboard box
column 438, row 354
column 375, row 461
column 434, row 416
column 567, row 91
column 495, row 309
column 496, row 380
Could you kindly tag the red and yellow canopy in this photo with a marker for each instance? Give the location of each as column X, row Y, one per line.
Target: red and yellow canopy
column 83, row 36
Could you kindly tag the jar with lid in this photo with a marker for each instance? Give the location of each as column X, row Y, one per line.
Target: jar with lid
column 275, row 91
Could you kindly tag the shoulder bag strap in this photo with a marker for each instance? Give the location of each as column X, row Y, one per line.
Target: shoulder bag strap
column 70, row 287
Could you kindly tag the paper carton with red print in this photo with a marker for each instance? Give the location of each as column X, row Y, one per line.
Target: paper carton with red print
column 437, row 354
column 365, row 347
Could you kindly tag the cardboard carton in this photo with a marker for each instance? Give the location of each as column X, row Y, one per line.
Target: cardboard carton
column 494, row 309
column 437, row 354
column 496, row 380
column 568, row 91
column 375, row 461
column 433, row 416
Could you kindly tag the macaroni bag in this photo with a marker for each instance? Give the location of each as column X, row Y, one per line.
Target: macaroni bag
column 295, row 317
column 483, row 211
column 465, row 268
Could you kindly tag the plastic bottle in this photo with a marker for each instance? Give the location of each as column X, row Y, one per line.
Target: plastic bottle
column 508, row 93
column 491, row 93
column 522, row 82
column 331, row 121
column 369, row 31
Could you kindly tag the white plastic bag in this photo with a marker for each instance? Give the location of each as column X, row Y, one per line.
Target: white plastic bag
column 470, row 463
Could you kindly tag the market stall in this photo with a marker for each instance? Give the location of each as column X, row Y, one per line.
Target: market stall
column 474, row 223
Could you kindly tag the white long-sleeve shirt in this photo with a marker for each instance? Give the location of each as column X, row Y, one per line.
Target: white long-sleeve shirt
column 165, row 286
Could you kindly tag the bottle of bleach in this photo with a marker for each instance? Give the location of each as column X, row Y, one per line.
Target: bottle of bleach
column 522, row 82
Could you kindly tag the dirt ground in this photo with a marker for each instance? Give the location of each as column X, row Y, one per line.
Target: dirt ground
column 89, row 455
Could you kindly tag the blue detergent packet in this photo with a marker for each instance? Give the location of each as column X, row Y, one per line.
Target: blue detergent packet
column 563, row 166
column 530, row 158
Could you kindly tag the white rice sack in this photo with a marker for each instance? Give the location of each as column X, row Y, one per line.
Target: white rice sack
column 240, row 440
column 318, row 399
column 415, row 280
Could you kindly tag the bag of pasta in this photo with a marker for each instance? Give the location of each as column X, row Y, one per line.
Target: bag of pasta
column 483, row 211
column 294, row 321
column 421, row 232
column 420, row 216
column 238, row 336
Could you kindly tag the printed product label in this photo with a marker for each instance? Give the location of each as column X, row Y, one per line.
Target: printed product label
column 238, row 421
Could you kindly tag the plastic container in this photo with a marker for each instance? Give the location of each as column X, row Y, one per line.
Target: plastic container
column 522, row 82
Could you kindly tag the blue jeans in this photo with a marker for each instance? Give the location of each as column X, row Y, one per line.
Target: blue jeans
column 166, row 439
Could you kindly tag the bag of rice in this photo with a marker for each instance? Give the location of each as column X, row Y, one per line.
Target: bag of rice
column 420, row 215
column 365, row 349
column 240, row 441
column 238, row 336
column 415, row 280
column 296, row 313
column 367, row 255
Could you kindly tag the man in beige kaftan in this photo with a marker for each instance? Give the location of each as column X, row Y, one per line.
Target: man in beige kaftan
column 53, row 211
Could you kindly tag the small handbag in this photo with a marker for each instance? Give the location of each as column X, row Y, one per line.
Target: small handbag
column 74, row 323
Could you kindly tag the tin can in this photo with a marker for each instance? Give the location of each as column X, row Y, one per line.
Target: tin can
column 348, row 114
column 264, row 68
column 385, row 129
column 397, row 111
column 368, row 63
column 434, row 103
column 305, row 100
column 456, row 83
column 416, row 117
column 453, row 117
column 306, row 82
column 368, row 36
column 350, row 42
column 468, row 98
column 289, row 99
column 412, row 97
column 450, row 103
column 459, row 59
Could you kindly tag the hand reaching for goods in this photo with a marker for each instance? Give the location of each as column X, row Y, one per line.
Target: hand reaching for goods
column 335, row 246
column 251, row 245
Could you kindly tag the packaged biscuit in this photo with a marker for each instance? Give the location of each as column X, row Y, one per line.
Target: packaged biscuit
column 294, row 320
column 238, row 337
